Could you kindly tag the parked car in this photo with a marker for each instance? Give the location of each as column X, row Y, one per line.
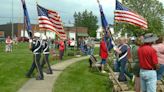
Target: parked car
column 23, row 39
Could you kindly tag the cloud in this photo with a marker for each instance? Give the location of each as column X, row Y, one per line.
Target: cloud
column 66, row 8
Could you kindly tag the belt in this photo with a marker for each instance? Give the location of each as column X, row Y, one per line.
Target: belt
column 148, row 68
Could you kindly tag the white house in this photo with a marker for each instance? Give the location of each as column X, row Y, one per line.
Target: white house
column 98, row 32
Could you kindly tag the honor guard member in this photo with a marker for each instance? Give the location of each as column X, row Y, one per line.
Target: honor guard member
column 46, row 52
column 36, row 47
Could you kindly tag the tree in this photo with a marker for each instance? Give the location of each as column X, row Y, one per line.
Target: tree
column 86, row 19
column 152, row 10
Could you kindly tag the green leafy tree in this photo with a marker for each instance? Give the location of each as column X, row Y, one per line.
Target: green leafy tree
column 152, row 10
column 86, row 19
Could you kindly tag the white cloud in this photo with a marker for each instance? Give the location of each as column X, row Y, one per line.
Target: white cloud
column 162, row 1
column 66, row 8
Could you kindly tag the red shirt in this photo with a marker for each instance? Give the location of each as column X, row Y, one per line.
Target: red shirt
column 61, row 45
column 103, row 50
column 147, row 57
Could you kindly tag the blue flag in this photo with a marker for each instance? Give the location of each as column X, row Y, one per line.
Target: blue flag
column 103, row 19
column 27, row 19
column 109, row 41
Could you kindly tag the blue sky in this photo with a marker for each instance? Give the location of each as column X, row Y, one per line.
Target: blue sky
column 66, row 8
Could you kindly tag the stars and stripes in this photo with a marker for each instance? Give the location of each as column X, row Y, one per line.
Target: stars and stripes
column 50, row 20
column 123, row 14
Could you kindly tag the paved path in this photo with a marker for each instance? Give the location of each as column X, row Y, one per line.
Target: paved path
column 47, row 84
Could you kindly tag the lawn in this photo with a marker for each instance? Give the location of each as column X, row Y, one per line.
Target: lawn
column 13, row 66
column 81, row 79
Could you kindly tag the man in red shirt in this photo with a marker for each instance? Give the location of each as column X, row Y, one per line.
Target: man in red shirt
column 61, row 48
column 148, row 64
column 103, row 54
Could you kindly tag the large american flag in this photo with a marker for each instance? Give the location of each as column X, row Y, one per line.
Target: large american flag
column 50, row 20
column 123, row 14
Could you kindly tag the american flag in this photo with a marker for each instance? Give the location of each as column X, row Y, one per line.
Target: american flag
column 50, row 20
column 123, row 14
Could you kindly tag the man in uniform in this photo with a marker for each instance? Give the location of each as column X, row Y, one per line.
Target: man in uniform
column 45, row 48
column 36, row 47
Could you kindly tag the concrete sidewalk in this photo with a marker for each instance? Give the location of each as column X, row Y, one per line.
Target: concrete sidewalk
column 47, row 84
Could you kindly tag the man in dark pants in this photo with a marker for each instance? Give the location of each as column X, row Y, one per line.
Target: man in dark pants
column 36, row 47
column 45, row 48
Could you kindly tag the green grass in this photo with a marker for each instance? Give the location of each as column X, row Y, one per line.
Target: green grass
column 81, row 79
column 96, row 51
column 13, row 66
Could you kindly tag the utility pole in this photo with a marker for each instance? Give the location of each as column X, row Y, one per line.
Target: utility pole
column 12, row 26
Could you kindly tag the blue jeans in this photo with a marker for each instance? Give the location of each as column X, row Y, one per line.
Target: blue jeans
column 121, row 67
column 89, row 51
column 92, row 51
column 160, row 72
column 148, row 80
column 122, row 70
column 103, row 61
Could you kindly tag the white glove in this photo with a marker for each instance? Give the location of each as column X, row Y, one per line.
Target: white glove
column 30, row 40
column 114, row 47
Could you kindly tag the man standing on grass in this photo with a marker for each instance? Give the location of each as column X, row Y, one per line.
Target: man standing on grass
column 148, row 64
column 36, row 47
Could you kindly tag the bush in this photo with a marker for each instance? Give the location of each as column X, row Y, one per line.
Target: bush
column 70, row 53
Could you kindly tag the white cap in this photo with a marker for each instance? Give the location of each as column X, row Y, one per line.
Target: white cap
column 37, row 34
column 44, row 37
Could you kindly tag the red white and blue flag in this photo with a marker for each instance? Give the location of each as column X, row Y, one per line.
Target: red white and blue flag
column 26, row 19
column 123, row 14
column 50, row 20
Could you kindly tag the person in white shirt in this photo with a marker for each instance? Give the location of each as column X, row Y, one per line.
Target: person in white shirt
column 8, row 44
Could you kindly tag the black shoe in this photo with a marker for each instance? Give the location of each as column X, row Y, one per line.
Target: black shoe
column 48, row 72
column 39, row 78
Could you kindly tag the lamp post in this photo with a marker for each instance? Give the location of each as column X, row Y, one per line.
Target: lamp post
column 77, row 38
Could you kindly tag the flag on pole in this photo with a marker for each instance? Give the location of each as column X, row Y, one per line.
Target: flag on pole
column 27, row 19
column 109, row 42
column 50, row 20
column 103, row 18
column 123, row 14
